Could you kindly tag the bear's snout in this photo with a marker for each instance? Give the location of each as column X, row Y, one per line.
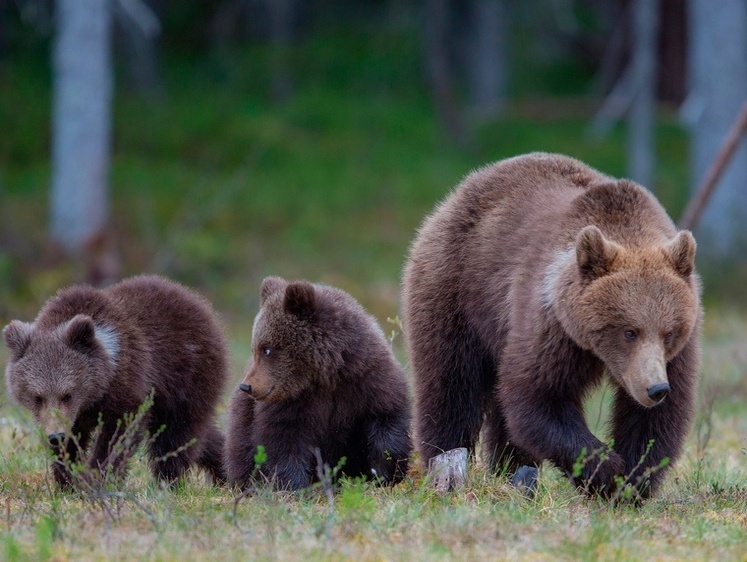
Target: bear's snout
column 658, row 392
column 246, row 388
column 56, row 438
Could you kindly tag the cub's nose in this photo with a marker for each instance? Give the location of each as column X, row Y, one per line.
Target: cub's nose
column 56, row 438
column 246, row 388
column 658, row 392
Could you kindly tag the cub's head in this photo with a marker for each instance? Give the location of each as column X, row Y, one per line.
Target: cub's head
column 292, row 352
column 633, row 308
column 58, row 373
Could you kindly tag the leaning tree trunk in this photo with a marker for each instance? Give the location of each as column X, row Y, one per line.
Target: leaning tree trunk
column 281, row 14
column 718, row 88
column 641, row 148
column 440, row 69
column 81, row 129
column 488, row 70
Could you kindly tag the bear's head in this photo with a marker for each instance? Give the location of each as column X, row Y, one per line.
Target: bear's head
column 292, row 349
column 634, row 308
column 58, row 373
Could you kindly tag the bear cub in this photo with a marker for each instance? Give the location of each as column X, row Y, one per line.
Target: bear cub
column 322, row 377
column 94, row 355
column 534, row 279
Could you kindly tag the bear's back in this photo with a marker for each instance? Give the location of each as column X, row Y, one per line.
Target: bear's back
column 162, row 309
column 353, row 328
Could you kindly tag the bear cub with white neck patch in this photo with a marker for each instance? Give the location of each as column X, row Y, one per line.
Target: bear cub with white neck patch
column 93, row 355
column 536, row 277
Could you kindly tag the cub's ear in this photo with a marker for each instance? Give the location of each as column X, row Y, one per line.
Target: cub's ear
column 80, row 333
column 594, row 253
column 270, row 285
column 300, row 300
column 17, row 336
column 681, row 252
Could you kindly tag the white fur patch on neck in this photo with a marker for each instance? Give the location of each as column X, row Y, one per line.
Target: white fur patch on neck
column 552, row 274
column 109, row 340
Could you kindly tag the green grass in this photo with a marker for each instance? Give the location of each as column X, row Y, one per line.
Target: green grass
column 218, row 187
column 700, row 514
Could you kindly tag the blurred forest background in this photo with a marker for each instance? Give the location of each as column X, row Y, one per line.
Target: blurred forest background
column 219, row 141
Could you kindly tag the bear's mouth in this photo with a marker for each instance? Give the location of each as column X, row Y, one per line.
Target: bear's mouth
column 265, row 395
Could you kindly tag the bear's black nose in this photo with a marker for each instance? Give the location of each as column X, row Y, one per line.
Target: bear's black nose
column 658, row 392
column 56, row 438
column 246, row 388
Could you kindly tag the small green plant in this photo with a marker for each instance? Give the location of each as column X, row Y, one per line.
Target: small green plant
column 101, row 484
column 396, row 330
column 260, row 458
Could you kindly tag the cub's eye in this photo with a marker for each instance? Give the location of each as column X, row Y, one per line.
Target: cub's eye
column 266, row 351
column 630, row 335
column 38, row 400
column 66, row 398
column 668, row 337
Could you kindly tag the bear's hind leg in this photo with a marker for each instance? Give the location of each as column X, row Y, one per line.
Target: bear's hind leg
column 453, row 381
column 211, row 456
column 171, row 452
column 389, row 446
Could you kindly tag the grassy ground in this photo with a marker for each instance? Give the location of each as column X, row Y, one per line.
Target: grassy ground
column 701, row 513
column 217, row 187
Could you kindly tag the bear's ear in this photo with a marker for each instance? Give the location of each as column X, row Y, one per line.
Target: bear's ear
column 17, row 336
column 594, row 253
column 300, row 300
column 270, row 285
column 681, row 252
column 80, row 333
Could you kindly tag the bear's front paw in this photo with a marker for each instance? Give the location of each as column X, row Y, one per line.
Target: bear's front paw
column 599, row 475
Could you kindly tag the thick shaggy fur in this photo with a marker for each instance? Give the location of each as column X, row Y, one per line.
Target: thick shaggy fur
column 531, row 280
column 322, row 376
column 92, row 353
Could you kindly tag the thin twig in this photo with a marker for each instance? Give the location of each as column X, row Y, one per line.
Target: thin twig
column 705, row 190
column 324, row 473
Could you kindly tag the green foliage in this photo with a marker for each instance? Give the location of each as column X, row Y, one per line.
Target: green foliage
column 217, row 186
column 260, row 457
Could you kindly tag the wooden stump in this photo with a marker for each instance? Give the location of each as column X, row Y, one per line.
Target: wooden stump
column 448, row 471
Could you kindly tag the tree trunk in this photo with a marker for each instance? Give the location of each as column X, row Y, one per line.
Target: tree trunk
column 81, row 126
column 488, row 72
column 641, row 148
column 718, row 88
column 281, row 13
column 139, row 28
column 440, row 71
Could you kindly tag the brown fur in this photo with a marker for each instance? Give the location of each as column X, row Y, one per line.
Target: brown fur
column 533, row 278
column 94, row 352
column 322, row 375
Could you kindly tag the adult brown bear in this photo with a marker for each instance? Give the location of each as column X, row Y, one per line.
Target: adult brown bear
column 533, row 278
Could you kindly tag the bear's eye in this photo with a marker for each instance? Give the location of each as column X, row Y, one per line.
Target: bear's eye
column 668, row 337
column 266, row 351
column 38, row 400
column 65, row 399
column 630, row 335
